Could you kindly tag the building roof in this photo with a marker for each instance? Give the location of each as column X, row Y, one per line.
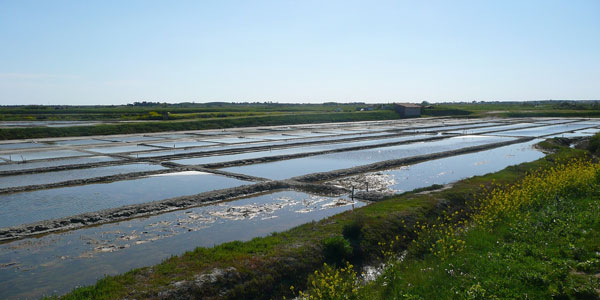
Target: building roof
column 409, row 105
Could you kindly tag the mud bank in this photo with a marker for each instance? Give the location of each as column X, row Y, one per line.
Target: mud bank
column 158, row 207
column 324, row 176
column 255, row 148
column 102, row 179
column 218, row 172
column 250, row 161
column 369, row 182
column 70, row 167
column 136, row 211
column 200, row 153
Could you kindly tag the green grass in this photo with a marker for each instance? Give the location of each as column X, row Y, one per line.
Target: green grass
column 280, row 260
column 514, row 110
column 551, row 254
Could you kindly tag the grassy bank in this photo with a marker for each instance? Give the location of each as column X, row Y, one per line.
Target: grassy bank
column 538, row 238
column 266, row 267
column 550, row 253
column 198, row 124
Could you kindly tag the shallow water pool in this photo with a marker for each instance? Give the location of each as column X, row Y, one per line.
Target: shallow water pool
column 58, row 176
column 328, row 162
column 29, row 207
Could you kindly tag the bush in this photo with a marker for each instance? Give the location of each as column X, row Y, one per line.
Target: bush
column 336, row 250
column 589, row 266
column 594, row 146
column 353, row 232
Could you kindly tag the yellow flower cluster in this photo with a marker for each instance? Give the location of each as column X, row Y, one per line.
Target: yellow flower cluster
column 443, row 238
column 575, row 177
column 388, row 250
column 331, row 283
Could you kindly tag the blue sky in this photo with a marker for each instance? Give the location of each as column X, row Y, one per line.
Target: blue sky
column 112, row 52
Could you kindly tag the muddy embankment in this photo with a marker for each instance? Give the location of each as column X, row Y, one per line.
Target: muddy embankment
column 64, row 167
column 213, row 171
column 161, row 206
column 323, row 176
column 102, row 179
column 534, row 125
column 137, row 210
column 258, row 160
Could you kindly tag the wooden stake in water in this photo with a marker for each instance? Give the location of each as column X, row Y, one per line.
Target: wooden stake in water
column 352, row 197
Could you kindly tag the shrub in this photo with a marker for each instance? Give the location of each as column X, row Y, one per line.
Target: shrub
column 337, row 249
column 353, row 232
column 594, row 145
column 589, row 266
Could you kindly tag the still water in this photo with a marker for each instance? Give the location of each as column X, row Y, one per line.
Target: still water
column 29, row 207
column 56, row 263
column 327, row 162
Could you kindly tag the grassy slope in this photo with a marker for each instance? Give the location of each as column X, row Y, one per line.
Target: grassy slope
column 554, row 253
column 280, row 260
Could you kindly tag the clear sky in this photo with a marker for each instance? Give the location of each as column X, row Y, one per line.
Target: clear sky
column 112, row 52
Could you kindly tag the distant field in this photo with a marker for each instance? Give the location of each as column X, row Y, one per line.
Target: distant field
column 157, row 111
column 157, row 117
column 521, row 109
column 193, row 124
